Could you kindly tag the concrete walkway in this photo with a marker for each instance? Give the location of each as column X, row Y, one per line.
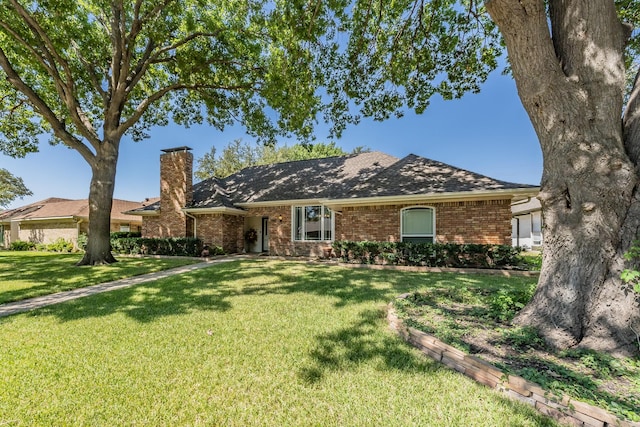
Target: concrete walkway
column 46, row 300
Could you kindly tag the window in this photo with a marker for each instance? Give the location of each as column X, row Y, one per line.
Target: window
column 124, row 228
column 417, row 225
column 312, row 223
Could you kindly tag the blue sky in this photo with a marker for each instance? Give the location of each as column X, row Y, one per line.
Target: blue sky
column 489, row 133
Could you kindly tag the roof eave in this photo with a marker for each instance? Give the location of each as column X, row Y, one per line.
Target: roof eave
column 214, row 210
column 48, row 218
column 290, row 202
column 512, row 193
column 142, row 213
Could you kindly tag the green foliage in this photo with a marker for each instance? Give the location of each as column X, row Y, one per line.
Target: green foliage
column 82, row 241
column 21, row 245
column 186, row 246
column 523, row 337
column 122, row 234
column 60, row 245
column 631, row 276
column 506, row 303
column 238, row 155
column 11, row 188
column 187, row 61
column 427, row 254
column 530, row 261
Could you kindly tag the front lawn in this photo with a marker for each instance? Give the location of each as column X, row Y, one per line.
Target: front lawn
column 31, row 274
column 245, row 343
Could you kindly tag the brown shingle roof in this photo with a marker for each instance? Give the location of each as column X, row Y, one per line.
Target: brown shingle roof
column 371, row 174
column 415, row 175
column 329, row 177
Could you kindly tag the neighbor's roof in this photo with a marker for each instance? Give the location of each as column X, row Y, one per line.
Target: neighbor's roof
column 66, row 208
column 356, row 176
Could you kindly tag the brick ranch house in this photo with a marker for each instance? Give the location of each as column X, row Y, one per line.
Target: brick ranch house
column 47, row 220
column 299, row 208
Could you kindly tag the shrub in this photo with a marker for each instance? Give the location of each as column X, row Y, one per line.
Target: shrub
column 506, row 303
column 21, row 245
column 125, row 234
column 60, row 245
column 427, row 254
column 187, row 246
column 82, row 241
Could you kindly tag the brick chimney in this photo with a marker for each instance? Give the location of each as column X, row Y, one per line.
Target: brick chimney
column 176, row 191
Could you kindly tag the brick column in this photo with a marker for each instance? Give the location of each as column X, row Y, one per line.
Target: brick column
column 176, row 190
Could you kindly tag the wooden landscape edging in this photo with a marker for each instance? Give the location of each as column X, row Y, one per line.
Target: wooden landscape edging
column 561, row 408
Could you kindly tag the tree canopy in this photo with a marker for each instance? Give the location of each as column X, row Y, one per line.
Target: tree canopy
column 11, row 188
column 238, row 155
column 86, row 73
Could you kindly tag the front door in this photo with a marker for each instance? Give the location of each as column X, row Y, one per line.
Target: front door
column 265, row 234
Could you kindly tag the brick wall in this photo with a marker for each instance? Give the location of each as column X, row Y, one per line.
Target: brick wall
column 176, row 192
column 221, row 230
column 151, row 226
column 484, row 221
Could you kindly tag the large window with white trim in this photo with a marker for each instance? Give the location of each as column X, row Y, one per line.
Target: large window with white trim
column 312, row 223
column 417, row 225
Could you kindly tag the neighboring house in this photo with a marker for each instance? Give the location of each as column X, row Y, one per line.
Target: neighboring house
column 299, row 208
column 50, row 219
column 526, row 224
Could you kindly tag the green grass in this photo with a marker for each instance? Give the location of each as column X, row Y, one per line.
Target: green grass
column 246, row 343
column 31, row 274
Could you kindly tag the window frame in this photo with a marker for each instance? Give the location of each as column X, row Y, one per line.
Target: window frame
column 303, row 231
column 422, row 235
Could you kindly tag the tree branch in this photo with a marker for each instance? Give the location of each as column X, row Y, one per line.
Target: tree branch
column 147, row 102
column 97, row 85
column 65, row 87
column 43, row 109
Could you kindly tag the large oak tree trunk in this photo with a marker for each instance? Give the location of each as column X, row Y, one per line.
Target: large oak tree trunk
column 571, row 81
column 98, row 249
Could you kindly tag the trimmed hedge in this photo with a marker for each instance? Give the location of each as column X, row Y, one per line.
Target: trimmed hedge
column 186, row 246
column 130, row 243
column 427, row 254
column 121, row 234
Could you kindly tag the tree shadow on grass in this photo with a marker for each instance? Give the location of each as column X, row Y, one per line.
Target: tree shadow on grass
column 347, row 347
column 213, row 289
column 146, row 302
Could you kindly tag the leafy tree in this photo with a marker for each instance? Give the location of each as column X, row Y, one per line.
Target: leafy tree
column 570, row 60
column 239, row 155
column 89, row 72
column 11, row 187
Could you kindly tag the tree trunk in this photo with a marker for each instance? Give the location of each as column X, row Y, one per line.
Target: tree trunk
column 98, row 249
column 571, row 81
